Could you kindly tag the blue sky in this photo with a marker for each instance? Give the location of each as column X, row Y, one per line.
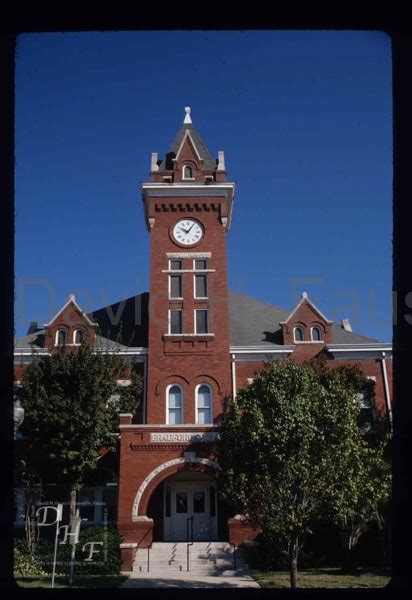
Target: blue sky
column 304, row 118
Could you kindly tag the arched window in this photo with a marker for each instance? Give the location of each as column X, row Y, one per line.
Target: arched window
column 316, row 334
column 203, row 404
column 78, row 337
column 174, row 405
column 187, row 172
column 60, row 337
column 298, row 334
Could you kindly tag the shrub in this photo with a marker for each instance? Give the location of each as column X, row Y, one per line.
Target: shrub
column 26, row 564
column 105, row 561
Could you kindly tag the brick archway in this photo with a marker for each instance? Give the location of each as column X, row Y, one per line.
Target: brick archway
column 161, row 472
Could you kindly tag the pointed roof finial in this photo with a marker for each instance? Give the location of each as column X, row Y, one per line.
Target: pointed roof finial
column 187, row 117
column 304, row 295
column 72, row 297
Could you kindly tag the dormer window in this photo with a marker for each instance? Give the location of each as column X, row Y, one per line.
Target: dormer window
column 187, row 172
column 60, row 337
column 298, row 334
column 78, row 337
column 316, row 334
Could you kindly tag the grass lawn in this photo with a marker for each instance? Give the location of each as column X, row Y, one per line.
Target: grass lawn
column 324, row 578
column 85, row 581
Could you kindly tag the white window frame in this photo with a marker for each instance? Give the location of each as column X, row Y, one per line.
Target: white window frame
column 294, row 334
column 168, row 388
column 191, row 167
column 197, row 403
column 176, row 270
column 74, row 337
column 207, row 321
column 175, row 274
column 194, row 286
column 320, row 333
column 56, row 341
column 200, row 271
column 170, row 321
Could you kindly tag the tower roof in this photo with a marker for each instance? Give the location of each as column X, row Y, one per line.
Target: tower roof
column 208, row 164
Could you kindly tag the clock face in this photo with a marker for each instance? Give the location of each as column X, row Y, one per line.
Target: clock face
column 188, row 232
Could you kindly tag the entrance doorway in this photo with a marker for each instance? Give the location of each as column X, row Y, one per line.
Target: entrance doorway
column 185, row 499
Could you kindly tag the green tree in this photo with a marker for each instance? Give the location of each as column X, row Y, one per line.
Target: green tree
column 292, row 452
column 72, row 404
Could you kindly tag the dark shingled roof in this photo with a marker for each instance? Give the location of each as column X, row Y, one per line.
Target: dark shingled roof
column 252, row 323
column 255, row 323
column 209, row 164
column 125, row 322
column 36, row 339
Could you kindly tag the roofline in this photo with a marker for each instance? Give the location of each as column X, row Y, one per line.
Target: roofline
column 187, row 135
column 302, row 300
column 260, row 350
column 78, row 308
column 131, row 351
column 368, row 347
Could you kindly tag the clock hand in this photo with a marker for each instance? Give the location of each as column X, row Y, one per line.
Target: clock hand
column 184, row 230
column 190, row 228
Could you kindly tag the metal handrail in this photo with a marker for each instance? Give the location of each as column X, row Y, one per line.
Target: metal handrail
column 148, row 548
column 148, row 559
column 189, row 520
column 234, row 554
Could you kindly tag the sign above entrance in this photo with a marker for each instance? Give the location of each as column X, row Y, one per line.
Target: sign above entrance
column 194, row 437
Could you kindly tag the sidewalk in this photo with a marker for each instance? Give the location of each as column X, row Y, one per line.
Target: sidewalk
column 184, row 580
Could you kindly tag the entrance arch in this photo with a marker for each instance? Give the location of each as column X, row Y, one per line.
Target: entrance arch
column 157, row 475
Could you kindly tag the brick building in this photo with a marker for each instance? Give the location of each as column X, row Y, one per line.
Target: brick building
column 194, row 343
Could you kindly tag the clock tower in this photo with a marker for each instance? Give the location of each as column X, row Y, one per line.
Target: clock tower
column 188, row 206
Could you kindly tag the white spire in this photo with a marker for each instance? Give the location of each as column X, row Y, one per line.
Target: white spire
column 187, row 117
column 72, row 297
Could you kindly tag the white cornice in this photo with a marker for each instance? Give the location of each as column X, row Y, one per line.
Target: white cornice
column 260, row 350
column 171, row 190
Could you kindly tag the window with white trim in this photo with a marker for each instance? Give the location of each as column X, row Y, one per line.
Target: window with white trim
column 200, row 264
column 316, row 334
column 61, row 337
column 201, row 321
column 174, row 405
column 175, row 264
column 298, row 334
column 201, row 286
column 78, row 337
column 175, row 321
column 176, row 286
column 187, row 172
column 203, row 404
column 367, row 414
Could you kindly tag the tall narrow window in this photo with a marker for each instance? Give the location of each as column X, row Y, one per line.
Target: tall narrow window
column 78, row 337
column 298, row 334
column 61, row 337
column 316, row 334
column 202, row 325
column 204, row 405
column 200, row 286
column 187, row 172
column 175, row 321
column 175, row 286
column 174, row 405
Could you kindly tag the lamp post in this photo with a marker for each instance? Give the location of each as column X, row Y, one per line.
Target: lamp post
column 18, row 416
